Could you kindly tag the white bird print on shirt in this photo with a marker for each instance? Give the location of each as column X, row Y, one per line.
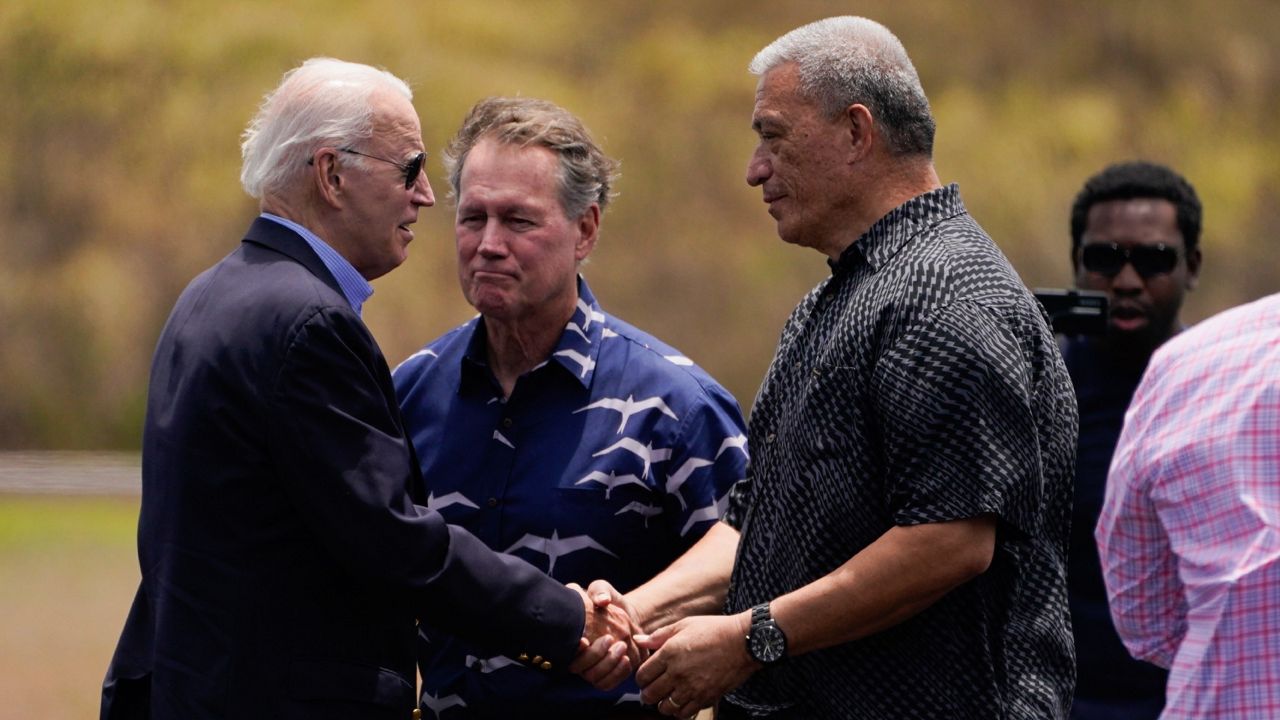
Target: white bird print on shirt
column 503, row 439
column 444, row 501
column 630, row 698
column 607, row 333
column 425, row 352
column 556, row 547
column 678, row 360
column 610, row 480
column 737, row 441
column 643, row 509
column 629, row 407
column 584, row 361
column 586, row 313
column 439, row 705
column 677, row 479
column 572, row 326
column 648, row 453
column 710, row 512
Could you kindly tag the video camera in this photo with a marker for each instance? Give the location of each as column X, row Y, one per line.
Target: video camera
column 1074, row 312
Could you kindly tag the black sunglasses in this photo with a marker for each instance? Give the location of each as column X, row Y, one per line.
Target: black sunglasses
column 411, row 169
column 1147, row 260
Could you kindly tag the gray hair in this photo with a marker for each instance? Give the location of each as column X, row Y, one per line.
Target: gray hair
column 323, row 101
column 847, row 60
column 586, row 173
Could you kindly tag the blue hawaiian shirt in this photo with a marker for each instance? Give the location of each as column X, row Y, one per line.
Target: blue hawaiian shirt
column 608, row 461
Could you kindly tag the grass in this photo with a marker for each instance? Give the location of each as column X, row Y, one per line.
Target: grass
column 68, row 571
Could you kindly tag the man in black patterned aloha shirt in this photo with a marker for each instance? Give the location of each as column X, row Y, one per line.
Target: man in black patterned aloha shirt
column 898, row 549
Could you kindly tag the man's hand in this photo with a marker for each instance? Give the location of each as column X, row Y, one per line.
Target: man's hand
column 696, row 661
column 607, row 652
column 604, row 595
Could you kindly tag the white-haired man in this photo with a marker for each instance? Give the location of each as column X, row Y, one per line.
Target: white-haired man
column 898, row 548
column 286, row 554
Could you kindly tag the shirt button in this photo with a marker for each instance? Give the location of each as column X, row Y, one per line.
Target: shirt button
column 506, row 422
column 770, row 438
column 492, row 502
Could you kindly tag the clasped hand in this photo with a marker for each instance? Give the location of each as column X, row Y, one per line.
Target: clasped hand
column 607, row 651
column 690, row 664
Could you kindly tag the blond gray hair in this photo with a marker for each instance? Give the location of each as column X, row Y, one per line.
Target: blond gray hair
column 586, row 173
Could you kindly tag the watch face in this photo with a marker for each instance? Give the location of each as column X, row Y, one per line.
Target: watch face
column 768, row 644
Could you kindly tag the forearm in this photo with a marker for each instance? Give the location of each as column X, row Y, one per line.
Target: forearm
column 903, row 572
column 695, row 584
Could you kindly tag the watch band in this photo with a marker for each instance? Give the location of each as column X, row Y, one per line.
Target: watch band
column 766, row 643
column 760, row 613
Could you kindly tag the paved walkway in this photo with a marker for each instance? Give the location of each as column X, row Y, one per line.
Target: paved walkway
column 70, row 473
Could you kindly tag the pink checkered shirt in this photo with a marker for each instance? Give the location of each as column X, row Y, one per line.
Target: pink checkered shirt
column 1190, row 531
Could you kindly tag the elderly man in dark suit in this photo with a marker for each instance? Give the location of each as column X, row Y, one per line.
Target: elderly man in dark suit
column 286, row 554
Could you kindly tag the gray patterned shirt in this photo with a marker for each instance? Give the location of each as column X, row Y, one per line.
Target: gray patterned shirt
column 919, row 383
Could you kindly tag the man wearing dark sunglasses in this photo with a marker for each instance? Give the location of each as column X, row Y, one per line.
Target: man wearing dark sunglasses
column 1135, row 230
column 286, row 544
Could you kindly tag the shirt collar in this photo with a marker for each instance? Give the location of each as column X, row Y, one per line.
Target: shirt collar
column 354, row 287
column 576, row 352
column 890, row 233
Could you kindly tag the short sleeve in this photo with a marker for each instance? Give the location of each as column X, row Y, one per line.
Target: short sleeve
column 710, row 457
column 953, row 396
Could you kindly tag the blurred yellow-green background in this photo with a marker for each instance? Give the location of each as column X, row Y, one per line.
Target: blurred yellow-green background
column 119, row 162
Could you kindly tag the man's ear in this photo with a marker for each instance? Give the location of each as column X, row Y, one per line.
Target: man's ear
column 1193, row 268
column 327, row 176
column 862, row 131
column 588, row 226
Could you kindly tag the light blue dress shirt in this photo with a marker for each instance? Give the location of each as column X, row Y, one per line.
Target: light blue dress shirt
column 354, row 287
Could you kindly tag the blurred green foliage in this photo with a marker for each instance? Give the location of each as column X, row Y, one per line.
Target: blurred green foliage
column 119, row 157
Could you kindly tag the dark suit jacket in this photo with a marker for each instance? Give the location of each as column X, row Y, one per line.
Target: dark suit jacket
column 285, row 553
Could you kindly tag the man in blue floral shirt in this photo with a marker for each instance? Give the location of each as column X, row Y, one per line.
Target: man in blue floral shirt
column 546, row 427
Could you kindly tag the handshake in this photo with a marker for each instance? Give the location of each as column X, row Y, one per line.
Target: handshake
column 681, row 667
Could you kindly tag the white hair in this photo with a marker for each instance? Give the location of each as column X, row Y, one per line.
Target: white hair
column 847, row 60
column 319, row 102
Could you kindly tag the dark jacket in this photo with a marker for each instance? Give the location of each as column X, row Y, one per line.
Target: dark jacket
column 285, row 550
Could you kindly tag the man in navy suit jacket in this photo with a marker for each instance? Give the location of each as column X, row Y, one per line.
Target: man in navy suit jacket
column 286, row 554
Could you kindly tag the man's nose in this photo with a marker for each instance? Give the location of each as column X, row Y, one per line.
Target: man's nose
column 1128, row 279
column 492, row 239
column 423, row 195
column 758, row 170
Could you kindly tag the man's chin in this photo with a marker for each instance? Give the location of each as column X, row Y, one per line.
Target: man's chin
column 489, row 304
column 1136, row 342
column 791, row 235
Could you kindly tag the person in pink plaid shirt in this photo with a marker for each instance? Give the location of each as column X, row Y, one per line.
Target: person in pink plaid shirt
column 1189, row 535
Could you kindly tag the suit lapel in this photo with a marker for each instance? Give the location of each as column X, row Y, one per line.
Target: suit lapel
column 277, row 237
